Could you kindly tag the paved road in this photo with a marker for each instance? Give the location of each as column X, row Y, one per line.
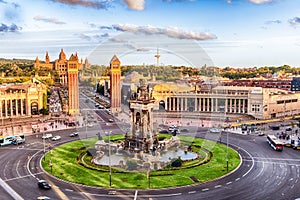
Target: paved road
column 264, row 174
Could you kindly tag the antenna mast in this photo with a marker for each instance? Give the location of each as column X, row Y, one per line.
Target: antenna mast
column 157, row 56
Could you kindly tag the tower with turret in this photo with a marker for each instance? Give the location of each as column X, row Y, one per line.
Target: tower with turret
column 115, row 85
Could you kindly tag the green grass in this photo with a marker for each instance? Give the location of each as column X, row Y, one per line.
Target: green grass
column 65, row 166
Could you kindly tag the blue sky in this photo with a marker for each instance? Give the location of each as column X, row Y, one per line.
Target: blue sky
column 237, row 33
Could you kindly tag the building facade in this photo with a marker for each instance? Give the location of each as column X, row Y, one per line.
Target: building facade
column 279, row 83
column 257, row 102
column 19, row 100
column 67, row 70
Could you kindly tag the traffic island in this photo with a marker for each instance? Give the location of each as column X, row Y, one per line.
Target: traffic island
column 71, row 162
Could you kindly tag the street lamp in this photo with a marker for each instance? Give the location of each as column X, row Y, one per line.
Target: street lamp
column 51, row 165
column 227, row 151
column 109, row 161
column 85, row 124
column 44, row 145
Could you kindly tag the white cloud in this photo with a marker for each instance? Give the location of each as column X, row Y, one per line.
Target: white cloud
column 86, row 3
column 135, row 4
column 48, row 20
column 295, row 21
column 260, row 1
column 172, row 32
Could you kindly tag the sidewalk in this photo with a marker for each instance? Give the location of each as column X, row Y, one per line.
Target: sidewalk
column 26, row 129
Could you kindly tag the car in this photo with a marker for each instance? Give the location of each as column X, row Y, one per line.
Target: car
column 74, row 134
column 172, row 128
column 57, row 137
column 43, row 184
column 110, row 120
column 43, row 198
column 289, row 129
column 47, row 135
column 163, row 131
column 185, row 130
column 260, row 134
column 90, row 125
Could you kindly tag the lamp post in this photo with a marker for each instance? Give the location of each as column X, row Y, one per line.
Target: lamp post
column 109, row 161
column 227, row 151
column 51, row 165
column 85, row 124
column 44, row 146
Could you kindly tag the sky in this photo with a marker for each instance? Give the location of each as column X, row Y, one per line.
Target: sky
column 235, row 33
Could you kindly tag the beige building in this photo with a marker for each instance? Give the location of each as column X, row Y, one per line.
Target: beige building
column 258, row 102
column 67, row 70
column 24, row 99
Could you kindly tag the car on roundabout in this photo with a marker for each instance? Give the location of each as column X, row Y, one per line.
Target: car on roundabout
column 43, row 184
column 47, row 136
column 163, row 131
column 43, row 198
column 184, row 130
column 57, row 137
column 74, row 134
column 260, row 134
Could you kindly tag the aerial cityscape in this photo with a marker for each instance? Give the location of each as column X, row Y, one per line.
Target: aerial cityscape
column 149, row 100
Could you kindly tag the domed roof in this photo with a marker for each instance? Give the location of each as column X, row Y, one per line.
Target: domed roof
column 62, row 55
column 172, row 87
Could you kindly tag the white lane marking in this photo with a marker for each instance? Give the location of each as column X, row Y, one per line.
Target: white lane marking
column 20, row 177
column 237, row 179
column 262, row 169
column 286, row 159
column 192, row 192
column 218, row 186
column 18, row 163
column 291, row 179
column 244, row 159
column 292, row 186
column 28, row 169
column 228, row 183
column 279, row 183
column 4, row 170
column 69, row 190
column 266, row 180
column 135, row 195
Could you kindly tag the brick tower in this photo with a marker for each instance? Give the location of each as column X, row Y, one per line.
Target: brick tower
column 115, row 85
column 73, row 86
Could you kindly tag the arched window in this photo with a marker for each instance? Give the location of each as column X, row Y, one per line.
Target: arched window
column 34, row 108
column 138, row 118
column 162, row 105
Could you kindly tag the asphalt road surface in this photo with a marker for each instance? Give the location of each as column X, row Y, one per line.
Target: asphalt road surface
column 264, row 174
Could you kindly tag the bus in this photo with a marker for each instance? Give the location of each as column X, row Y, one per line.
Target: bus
column 275, row 143
column 6, row 140
column 12, row 139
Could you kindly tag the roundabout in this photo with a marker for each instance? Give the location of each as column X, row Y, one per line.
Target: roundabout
column 72, row 162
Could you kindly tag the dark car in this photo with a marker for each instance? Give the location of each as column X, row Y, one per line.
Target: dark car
column 185, row 130
column 289, row 129
column 43, row 184
column 260, row 134
column 74, row 134
column 163, row 131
